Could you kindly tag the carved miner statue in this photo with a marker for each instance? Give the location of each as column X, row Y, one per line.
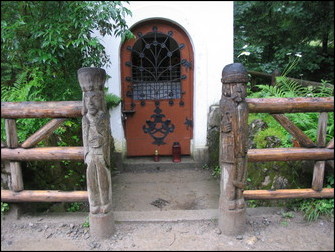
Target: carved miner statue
column 233, row 137
column 96, row 138
column 233, row 148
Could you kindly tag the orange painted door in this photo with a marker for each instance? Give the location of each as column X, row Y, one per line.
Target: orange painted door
column 157, row 89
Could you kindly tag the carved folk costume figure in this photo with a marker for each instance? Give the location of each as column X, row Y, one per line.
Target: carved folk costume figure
column 95, row 123
column 233, row 142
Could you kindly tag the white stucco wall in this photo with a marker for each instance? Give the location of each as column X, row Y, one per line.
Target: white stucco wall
column 210, row 29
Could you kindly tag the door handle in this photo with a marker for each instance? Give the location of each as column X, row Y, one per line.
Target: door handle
column 126, row 113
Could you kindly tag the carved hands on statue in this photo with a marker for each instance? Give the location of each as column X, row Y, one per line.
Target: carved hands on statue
column 100, row 209
column 226, row 127
column 239, row 184
column 226, row 123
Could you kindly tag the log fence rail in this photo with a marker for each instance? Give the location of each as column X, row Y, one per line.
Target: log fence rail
column 13, row 153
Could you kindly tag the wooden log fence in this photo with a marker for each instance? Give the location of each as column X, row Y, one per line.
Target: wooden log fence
column 14, row 153
column 321, row 151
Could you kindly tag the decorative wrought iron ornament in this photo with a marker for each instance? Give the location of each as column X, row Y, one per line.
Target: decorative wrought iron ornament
column 158, row 129
column 156, row 67
column 188, row 123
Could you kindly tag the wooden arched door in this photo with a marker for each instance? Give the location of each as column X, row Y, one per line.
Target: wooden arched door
column 157, row 89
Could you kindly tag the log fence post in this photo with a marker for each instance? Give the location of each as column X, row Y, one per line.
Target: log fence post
column 233, row 149
column 319, row 166
column 16, row 180
column 273, row 77
column 96, row 141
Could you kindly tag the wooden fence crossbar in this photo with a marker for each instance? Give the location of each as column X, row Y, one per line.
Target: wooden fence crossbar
column 254, row 155
column 43, row 153
column 80, row 196
column 41, row 109
column 60, row 109
column 288, row 194
column 290, row 105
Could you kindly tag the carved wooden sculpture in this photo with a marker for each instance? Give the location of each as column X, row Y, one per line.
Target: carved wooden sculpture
column 96, row 139
column 96, row 135
column 233, row 148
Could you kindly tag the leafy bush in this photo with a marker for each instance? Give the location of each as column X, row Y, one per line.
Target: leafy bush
column 43, row 44
column 266, row 32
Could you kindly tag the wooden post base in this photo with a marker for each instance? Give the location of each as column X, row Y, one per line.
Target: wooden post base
column 102, row 225
column 232, row 223
column 15, row 211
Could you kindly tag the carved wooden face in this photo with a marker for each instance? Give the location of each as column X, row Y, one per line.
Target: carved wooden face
column 239, row 93
column 226, row 90
column 93, row 102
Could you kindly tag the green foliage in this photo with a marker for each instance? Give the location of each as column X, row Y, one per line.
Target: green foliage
column 74, row 207
column 53, row 32
column 216, row 171
column 261, row 137
column 267, row 32
column 112, row 100
column 287, row 214
column 284, row 223
column 252, row 203
column 314, row 208
column 86, row 223
column 273, row 129
column 4, row 207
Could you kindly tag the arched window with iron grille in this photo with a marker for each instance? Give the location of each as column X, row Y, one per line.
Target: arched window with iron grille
column 156, row 64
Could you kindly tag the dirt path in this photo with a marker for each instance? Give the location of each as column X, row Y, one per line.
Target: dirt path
column 266, row 230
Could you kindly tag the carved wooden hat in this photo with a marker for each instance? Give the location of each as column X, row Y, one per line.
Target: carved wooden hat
column 234, row 73
column 91, row 78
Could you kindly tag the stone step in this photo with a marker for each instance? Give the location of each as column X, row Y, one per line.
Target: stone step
column 171, row 215
column 165, row 162
column 186, row 215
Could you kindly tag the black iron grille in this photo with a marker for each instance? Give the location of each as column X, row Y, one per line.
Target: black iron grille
column 156, row 67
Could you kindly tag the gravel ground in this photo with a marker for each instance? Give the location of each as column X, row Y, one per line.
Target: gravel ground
column 265, row 231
